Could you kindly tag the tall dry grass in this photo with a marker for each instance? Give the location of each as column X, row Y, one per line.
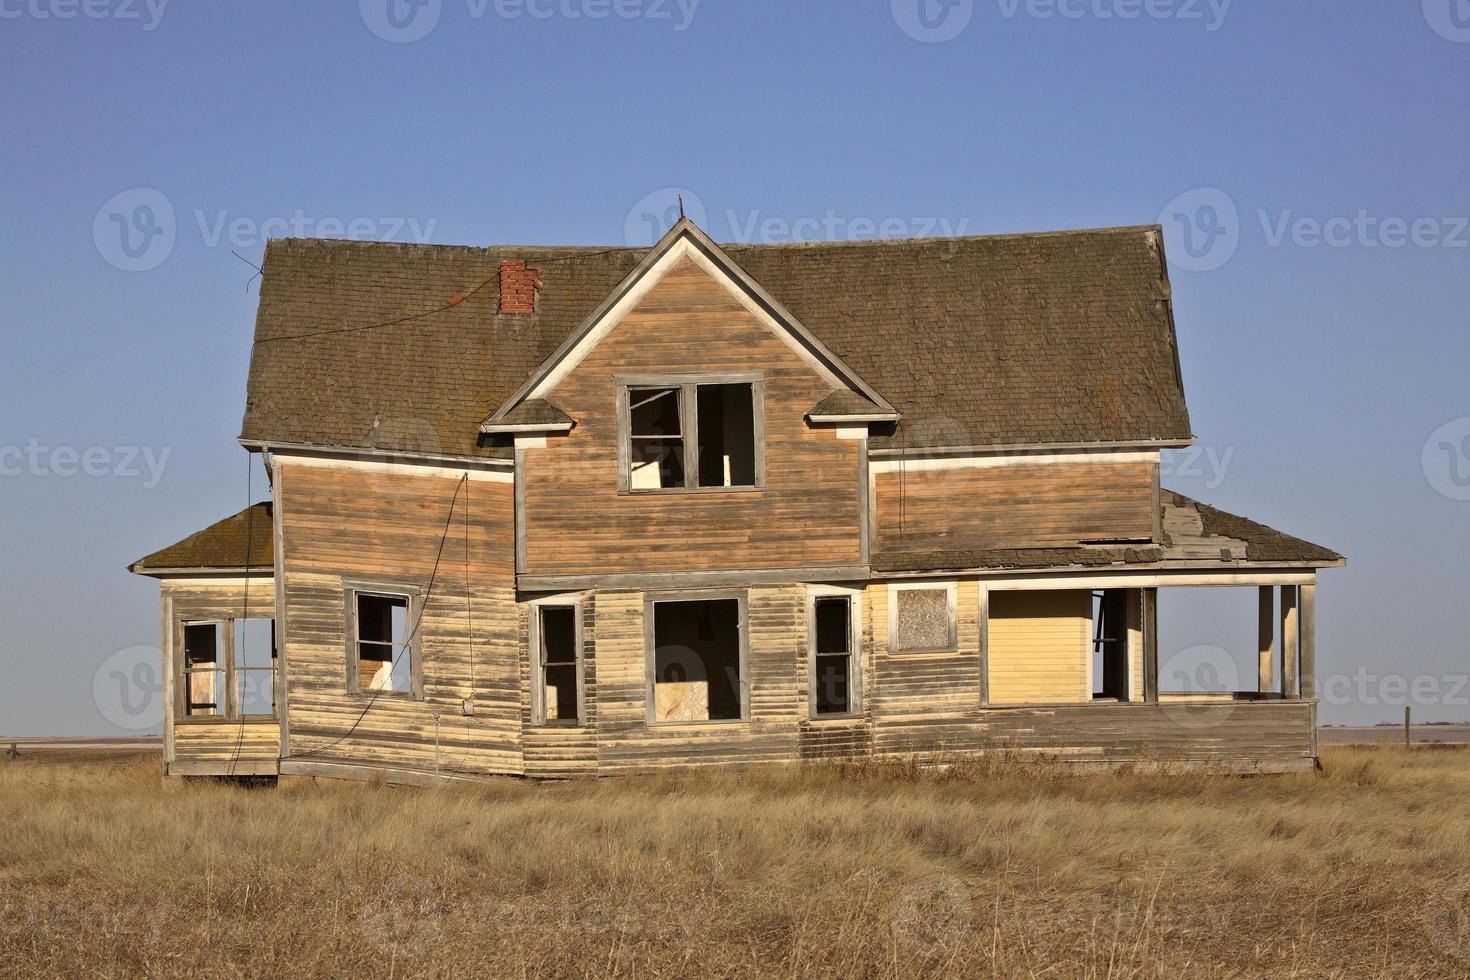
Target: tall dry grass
column 892, row 871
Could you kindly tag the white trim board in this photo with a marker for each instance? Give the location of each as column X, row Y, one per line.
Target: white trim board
column 1098, row 458
column 280, row 458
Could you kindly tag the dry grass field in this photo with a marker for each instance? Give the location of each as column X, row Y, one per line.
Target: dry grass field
column 1362, row 870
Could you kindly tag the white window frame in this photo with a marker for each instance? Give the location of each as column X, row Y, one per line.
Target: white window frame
column 951, row 588
column 574, row 600
column 854, row 597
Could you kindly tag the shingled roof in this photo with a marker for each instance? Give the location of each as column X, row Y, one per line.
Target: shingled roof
column 1060, row 337
column 238, row 542
column 1194, row 534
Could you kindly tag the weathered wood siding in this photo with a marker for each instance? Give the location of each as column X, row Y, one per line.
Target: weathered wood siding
column 808, row 514
column 561, row 751
column 361, row 524
column 1040, row 646
column 213, row 747
column 977, row 508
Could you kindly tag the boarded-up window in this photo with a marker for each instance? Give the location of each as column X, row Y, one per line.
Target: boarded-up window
column 204, row 670
column 923, row 620
column 384, row 651
column 834, row 660
column 559, row 668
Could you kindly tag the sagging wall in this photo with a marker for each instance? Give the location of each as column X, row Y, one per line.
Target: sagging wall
column 994, row 503
column 809, row 512
column 210, row 746
column 362, row 523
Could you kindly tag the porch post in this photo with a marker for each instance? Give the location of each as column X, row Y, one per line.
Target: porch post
column 1265, row 637
column 984, row 644
column 1149, row 610
column 1288, row 641
column 1307, row 623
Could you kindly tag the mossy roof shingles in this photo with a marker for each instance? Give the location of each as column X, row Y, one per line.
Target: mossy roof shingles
column 1049, row 338
column 240, row 541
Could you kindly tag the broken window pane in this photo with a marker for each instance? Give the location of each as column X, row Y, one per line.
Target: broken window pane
column 726, row 429
column 697, row 660
column 255, row 666
column 385, row 661
column 559, row 664
column 656, row 456
column 204, row 671
column 922, row 620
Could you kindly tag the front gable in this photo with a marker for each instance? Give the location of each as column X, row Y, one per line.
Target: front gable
column 689, row 326
column 685, row 246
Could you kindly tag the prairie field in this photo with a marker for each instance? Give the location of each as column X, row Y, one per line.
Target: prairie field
column 1363, row 869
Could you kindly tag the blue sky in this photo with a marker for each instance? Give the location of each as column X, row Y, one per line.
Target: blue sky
column 1326, row 368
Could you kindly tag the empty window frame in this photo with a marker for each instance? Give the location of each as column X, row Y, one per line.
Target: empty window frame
column 697, row 653
column 205, row 671
column 692, row 434
column 556, row 637
column 921, row 618
column 381, row 655
column 254, row 660
column 835, row 672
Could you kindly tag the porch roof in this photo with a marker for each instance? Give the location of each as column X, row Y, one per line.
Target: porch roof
column 241, row 542
column 1194, row 535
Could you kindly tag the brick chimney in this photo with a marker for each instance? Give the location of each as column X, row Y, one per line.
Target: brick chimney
column 518, row 286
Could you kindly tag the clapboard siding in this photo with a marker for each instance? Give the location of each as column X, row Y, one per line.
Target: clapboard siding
column 808, row 514
column 978, row 508
column 342, row 525
column 1040, row 644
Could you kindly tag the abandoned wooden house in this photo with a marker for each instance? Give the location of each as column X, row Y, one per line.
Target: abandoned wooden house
column 570, row 511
